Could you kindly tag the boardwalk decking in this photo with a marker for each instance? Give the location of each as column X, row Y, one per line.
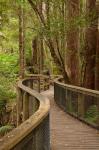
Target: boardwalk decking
column 67, row 133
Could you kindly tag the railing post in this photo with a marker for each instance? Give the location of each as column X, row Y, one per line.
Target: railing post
column 39, row 85
column 69, row 101
column 48, row 82
column 25, row 106
column 81, row 105
column 98, row 112
column 45, row 84
column 33, row 105
column 19, row 106
column 30, row 105
column 30, row 84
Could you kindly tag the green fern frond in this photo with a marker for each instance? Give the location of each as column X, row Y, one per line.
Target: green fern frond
column 5, row 129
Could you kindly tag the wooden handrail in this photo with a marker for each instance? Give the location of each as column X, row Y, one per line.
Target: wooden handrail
column 77, row 88
column 77, row 101
column 13, row 138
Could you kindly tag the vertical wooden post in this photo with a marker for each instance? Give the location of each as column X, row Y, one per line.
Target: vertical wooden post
column 69, row 101
column 30, row 105
column 81, row 105
column 44, row 84
column 19, row 106
column 39, row 85
column 25, row 106
column 48, row 82
column 30, row 84
column 35, row 104
column 98, row 111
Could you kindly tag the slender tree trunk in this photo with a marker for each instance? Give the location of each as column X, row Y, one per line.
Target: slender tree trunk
column 34, row 52
column 41, row 48
column 21, row 42
column 42, row 55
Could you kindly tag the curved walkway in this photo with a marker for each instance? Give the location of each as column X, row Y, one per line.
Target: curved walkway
column 67, row 133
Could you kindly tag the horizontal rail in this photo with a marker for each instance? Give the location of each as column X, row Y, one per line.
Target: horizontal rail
column 79, row 102
column 77, row 88
column 34, row 124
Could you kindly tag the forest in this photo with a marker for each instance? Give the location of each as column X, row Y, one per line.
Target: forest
column 51, row 37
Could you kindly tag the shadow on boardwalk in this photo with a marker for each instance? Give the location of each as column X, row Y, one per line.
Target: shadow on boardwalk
column 67, row 133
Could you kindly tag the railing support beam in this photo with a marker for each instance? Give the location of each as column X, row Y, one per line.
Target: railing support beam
column 19, row 106
column 81, row 105
column 25, row 106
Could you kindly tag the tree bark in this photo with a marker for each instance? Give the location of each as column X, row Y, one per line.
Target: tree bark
column 90, row 45
column 97, row 66
column 21, row 42
column 97, row 53
column 72, row 60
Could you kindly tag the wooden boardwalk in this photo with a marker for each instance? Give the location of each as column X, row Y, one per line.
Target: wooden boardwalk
column 67, row 133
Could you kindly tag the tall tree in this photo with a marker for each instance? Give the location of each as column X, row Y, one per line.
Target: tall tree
column 21, row 41
column 72, row 58
column 90, row 44
column 55, row 51
column 34, row 52
column 97, row 52
column 41, row 48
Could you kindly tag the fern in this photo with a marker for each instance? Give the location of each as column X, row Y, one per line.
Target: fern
column 92, row 114
column 5, row 129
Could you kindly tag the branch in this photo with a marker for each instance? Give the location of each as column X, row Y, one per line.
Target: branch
column 62, row 61
column 39, row 14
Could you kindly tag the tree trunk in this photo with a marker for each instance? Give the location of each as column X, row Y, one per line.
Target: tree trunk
column 21, row 42
column 97, row 66
column 41, row 48
column 90, row 45
column 72, row 61
column 41, row 55
column 97, row 54
column 34, row 53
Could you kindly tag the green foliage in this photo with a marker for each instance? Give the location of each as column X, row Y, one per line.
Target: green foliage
column 9, row 65
column 5, row 97
column 8, row 74
column 5, row 129
column 92, row 114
